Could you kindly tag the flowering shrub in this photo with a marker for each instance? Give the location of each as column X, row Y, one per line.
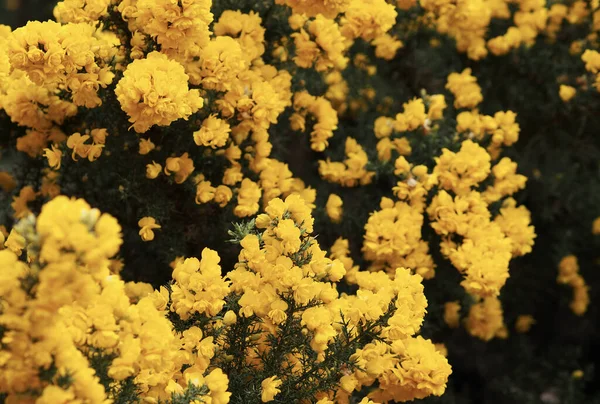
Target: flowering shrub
column 216, row 201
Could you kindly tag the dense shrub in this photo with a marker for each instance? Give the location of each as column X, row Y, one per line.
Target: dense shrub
column 379, row 194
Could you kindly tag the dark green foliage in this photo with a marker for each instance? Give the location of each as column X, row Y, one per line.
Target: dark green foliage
column 190, row 394
column 316, row 376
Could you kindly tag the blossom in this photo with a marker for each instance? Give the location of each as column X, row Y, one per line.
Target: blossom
column 7, row 182
column 329, row 8
column 223, row 195
column 181, row 166
column 147, row 225
column 54, row 156
column 154, row 91
column 596, row 226
column 153, row 170
column 368, row 19
column 566, row 92
column 270, row 388
column 248, row 197
column 76, row 142
column 146, row 146
column 467, row 93
column 26, row 194
column 524, row 323
column 386, row 46
column 486, row 319
column 214, row 133
column 451, row 314
column 199, row 286
column 221, row 60
column 334, row 208
column 569, row 274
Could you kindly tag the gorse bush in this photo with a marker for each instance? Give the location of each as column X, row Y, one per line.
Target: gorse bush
column 279, row 201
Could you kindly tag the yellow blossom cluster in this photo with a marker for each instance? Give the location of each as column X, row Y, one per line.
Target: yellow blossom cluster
column 480, row 245
column 154, row 91
column 322, row 111
column 65, row 305
column 486, row 320
column 418, row 114
column 568, row 274
column 591, row 58
column 393, row 238
column 273, row 267
column 328, row 8
column 75, row 58
column 469, row 22
column 352, row 171
column 181, row 29
column 201, row 108
column 327, row 49
column 77, row 143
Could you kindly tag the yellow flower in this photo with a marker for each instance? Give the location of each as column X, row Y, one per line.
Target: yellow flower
column 7, row 182
column 592, row 60
column 467, row 93
column 452, row 314
column 147, row 224
column 569, row 274
column 99, row 135
column 348, row 383
column 401, row 166
column 423, row 370
column 15, row 242
column 596, row 226
column 270, row 388
column 334, row 208
column 289, row 235
column 153, row 170
column 221, row 60
column 368, row 19
column 248, row 197
column 154, row 91
column 437, row 105
column 247, row 29
column 19, row 204
column 182, row 166
column 223, row 195
column 229, row 318
column 213, row 133
column 146, row 146
column 386, row 46
column 77, row 142
column 94, row 151
column 383, row 127
column 566, row 92
column 54, row 157
column 486, row 319
column 54, row 394
column 199, row 286
column 329, row 8
column 524, row 323
column 218, row 382
column 32, row 143
column 205, row 192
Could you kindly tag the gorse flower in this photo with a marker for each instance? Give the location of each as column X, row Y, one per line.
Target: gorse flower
column 147, row 225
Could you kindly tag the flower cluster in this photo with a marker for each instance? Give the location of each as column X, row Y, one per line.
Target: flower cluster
column 310, row 185
column 154, row 91
column 568, row 274
column 58, row 346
